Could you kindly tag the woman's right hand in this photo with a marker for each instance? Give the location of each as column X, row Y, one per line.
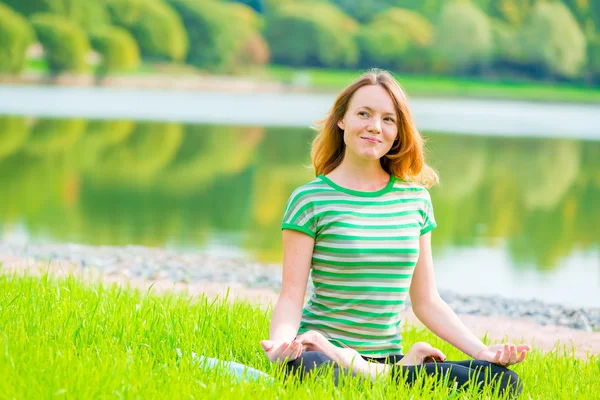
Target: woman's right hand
column 421, row 353
column 281, row 352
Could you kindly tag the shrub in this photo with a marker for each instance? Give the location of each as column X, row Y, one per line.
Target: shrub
column 86, row 13
column 212, row 27
column 312, row 33
column 553, row 39
column 463, row 37
column 396, row 39
column 65, row 44
column 13, row 134
column 118, row 48
column 594, row 57
column 156, row 26
column 15, row 37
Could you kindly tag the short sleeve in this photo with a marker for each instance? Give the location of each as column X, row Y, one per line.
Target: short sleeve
column 428, row 222
column 299, row 213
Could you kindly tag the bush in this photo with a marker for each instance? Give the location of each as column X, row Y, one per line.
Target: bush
column 118, row 48
column 157, row 28
column 312, row 34
column 65, row 44
column 253, row 49
column 217, row 34
column 553, row 39
column 463, row 37
column 15, row 37
column 86, row 13
column 397, row 39
column 594, row 58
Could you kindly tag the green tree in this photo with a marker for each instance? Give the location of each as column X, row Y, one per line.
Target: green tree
column 312, row 34
column 594, row 58
column 86, row 13
column 553, row 39
column 156, row 26
column 16, row 35
column 397, row 39
column 218, row 42
column 463, row 37
column 118, row 49
column 65, row 44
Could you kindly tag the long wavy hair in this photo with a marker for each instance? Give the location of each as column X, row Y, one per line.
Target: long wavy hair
column 405, row 159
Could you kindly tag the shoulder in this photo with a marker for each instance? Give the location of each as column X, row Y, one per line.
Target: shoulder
column 309, row 191
column 403, row 186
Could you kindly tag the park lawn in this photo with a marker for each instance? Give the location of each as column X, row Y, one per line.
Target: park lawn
column 68, row 339
column 440, row 86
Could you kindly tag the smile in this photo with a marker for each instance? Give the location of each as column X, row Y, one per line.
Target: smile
column 370, row 140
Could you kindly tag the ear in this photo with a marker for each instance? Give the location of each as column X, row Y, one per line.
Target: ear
column 340, row 123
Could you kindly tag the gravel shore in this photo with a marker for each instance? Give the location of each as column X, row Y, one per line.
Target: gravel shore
column 136, row 262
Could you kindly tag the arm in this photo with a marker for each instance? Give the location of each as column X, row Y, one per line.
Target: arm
column 432, row 311
column 297, row 259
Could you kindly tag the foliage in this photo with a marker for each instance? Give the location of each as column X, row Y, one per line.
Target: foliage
column 16, row 34
column 157, row 28
column 312, row 34
column 13, row 134
column 86, row 13
column 553, row 39
column 118, row 48
column 66, row 45
column 463, row 37
column 51, row 135
column 594, row 56
column 398, row 39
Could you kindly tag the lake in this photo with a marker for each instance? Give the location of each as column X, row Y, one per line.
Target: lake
column 518, row 217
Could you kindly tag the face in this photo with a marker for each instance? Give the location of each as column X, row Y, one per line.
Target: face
column 370, row 124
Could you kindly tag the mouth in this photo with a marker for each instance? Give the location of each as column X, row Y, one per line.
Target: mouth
column 370, row 139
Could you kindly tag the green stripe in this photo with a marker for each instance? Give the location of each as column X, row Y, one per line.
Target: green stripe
column 365, row 263
column 361, row 301
column 366, row 275
column 369, row 215
column 344, row 288
column 370, row 203
column 356, row 226
column 326, row 328
column 366, row 251
column 354, row 237
column 355, row 312
column 351, row 323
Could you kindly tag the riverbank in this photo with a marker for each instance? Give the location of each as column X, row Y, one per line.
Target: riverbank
column 289, row 109
column 196, row 273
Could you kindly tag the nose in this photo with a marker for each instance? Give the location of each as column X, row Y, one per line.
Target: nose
column 375, row 126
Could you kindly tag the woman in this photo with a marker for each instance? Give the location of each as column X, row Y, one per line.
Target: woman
column 362, row 229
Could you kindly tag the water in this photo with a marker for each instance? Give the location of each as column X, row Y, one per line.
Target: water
column 518, row 217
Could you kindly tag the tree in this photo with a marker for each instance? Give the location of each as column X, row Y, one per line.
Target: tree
column 118, row 49
column 312, row 34
column 464, row 37
column 553, row 39
column 16, row 35
column 65, row 44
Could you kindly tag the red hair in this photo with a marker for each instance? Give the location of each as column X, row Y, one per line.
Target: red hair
column 405, row 159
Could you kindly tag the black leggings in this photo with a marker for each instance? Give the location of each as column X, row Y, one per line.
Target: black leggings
column 461, row 372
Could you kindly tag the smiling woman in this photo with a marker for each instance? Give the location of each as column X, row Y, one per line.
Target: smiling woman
column 362, row 230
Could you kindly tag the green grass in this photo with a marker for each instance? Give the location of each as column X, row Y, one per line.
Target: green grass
column 439, row 86
column 66, row 339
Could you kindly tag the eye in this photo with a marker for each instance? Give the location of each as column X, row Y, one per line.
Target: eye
column 363, row 113
column 390, row 119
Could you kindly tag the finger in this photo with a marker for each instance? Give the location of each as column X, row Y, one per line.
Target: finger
column 267, row 345
column 498, row 357
column 522, row 347
column 438, row 354
column 513, row 354
column 506, row 354
column 521, row 356
column 278, row 352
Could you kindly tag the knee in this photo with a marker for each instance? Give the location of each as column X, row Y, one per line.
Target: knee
column 511, row 383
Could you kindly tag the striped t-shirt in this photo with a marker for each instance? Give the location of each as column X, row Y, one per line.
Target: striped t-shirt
column 366, row 248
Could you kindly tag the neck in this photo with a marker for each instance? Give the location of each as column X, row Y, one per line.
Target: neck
column 360, row 173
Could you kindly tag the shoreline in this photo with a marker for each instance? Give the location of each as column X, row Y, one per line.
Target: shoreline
column 198, row 274
column 193, row 267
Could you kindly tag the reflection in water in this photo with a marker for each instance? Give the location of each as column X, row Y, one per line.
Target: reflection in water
column 170, row 184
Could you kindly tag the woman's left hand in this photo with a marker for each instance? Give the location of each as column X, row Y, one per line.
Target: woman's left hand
column 503, row 354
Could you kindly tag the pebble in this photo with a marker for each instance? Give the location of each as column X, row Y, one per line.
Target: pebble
column 189, row 267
